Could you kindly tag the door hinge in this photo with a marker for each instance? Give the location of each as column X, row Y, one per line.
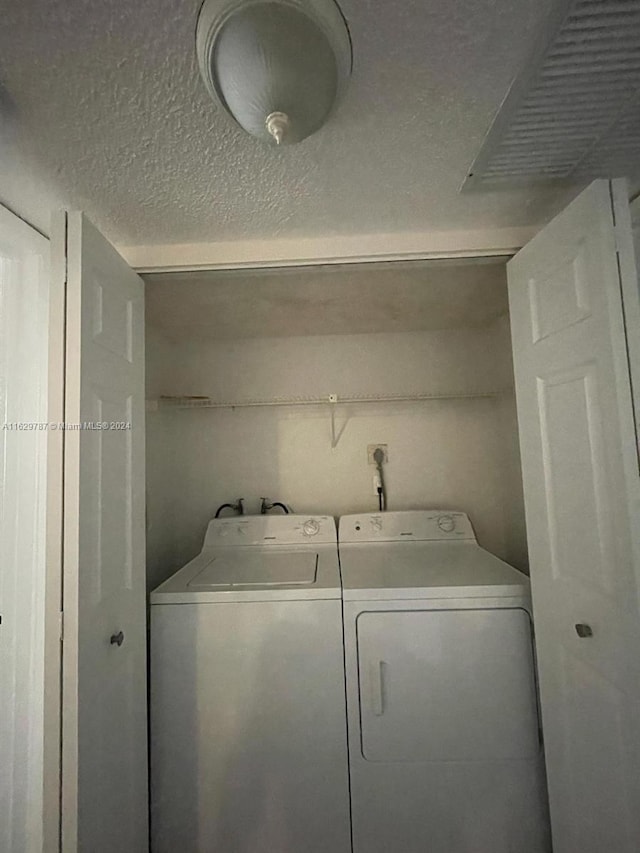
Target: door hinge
column 61, row 622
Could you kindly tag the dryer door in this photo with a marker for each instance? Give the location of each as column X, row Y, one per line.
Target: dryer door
column 447, row 685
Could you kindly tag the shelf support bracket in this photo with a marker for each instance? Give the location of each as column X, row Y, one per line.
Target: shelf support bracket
column 336, row 434
column 333, row 399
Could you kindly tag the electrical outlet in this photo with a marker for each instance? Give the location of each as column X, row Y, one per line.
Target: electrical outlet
column 371, row 449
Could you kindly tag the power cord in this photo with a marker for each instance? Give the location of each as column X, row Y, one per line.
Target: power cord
column 378, row 458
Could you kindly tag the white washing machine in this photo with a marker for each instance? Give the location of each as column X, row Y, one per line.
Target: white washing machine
column 248, row 722
column 445, row 750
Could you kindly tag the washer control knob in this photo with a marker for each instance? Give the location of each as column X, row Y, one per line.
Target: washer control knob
column 311, row 527
column 447, row 523
column 376, row 525
column 241, row 531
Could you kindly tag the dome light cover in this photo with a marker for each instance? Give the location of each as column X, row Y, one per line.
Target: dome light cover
column 277, row 66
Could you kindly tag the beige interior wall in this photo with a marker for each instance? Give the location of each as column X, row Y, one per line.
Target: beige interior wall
column 450, row 454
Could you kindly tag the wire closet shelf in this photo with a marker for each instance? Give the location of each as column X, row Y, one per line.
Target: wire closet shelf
column 330, row 400
column 197, row 402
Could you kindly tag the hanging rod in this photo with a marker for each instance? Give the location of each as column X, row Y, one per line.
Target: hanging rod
column 330, row 399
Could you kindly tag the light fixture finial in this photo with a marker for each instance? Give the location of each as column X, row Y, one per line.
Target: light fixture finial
column 278, row 124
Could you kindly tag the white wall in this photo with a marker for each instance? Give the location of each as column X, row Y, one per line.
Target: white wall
column 452, row 454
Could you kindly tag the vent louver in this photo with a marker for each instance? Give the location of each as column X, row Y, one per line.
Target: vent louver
column 575, row 112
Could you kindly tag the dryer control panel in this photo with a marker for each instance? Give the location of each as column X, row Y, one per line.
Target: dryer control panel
column 411, row 525
column 270, row 530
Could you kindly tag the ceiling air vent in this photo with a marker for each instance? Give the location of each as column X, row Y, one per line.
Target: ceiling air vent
column 574, row 113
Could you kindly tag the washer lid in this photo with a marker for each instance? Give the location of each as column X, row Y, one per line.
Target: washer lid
column 388, row 571
column 252, row 573
column 257, row 570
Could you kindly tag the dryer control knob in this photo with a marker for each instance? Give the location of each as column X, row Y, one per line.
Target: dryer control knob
column 447, row 523
column 311, row 527
column 376, row 525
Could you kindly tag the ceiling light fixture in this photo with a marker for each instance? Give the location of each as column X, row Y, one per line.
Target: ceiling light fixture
column 277, row 66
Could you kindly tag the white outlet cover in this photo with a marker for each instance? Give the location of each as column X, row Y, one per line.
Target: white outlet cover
column 371, row 449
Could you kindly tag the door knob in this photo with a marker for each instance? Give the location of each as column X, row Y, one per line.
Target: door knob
column 583, row 630
column 117, row 639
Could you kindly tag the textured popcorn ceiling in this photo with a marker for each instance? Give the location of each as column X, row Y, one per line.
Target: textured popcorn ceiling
column 327, row 300
column 106, row 97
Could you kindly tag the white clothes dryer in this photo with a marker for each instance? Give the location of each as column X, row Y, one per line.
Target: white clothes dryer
column 444, row 741
column 248, row 722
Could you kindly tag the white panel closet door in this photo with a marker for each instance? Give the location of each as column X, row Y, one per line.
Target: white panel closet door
column 24, row 284
column 104, row 734
column 572, row 358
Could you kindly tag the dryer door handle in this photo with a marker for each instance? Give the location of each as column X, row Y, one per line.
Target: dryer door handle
column 377, row 687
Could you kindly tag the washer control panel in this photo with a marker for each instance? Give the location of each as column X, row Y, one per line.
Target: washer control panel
column 271, row 530
column 412, row 525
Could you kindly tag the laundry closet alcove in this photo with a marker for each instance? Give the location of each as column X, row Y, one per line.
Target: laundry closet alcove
column 242, row 367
